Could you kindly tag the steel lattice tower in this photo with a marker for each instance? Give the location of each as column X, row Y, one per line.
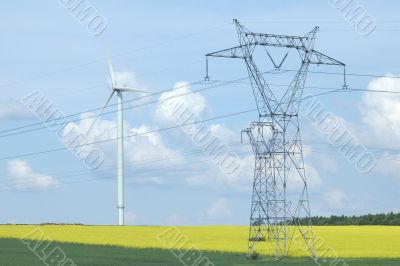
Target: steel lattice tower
column 276, row 143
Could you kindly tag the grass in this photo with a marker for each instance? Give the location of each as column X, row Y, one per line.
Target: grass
column 341, row 241
column 14, row 253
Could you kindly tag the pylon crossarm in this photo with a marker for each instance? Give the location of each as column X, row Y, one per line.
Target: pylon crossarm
column 318, row 58
column 273, row 40
column 234, row 52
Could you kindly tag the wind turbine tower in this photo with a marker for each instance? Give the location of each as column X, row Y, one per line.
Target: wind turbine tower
column 119, row 90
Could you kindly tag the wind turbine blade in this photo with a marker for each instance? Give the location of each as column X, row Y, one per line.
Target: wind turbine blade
column 100, row 113
column 128, row 89
column 110, row 68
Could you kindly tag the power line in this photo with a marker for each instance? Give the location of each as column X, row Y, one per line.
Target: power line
column 224, row 83
column 99, row 108
column 157, row 44
column 319, row 88
column 147, row 171
column 59, row 149
column 58, row 95
column 110, row 112
column 72, row 67
column 312, row 21
column 133, row 163
column 347, row 74
column 127, row 136
column 112, row 166
column 153, row 160
column 140, row 172
column 227, row 82
column 169, row 90
column 97, row 171
column 218, row 85
column 194, row 152
column 125, row 108
column 367, row 147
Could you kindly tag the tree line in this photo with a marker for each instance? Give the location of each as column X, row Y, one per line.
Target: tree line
column 368, row 219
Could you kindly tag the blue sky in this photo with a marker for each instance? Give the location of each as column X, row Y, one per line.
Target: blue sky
column 154, row 45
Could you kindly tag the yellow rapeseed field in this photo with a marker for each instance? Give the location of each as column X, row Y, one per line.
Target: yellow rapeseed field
column 341, row 241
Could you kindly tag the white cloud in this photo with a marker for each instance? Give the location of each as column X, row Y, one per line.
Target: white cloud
column 126, row 79
column 25, row 177
column 175, row 220
column 149, row 146
column 223, row 133
column 340, row 202
column 389, row 164
column 194, row 105
column 312, row 175
column 381, row 118
column 337, row 199
column 381, row 111
column 212, row 176
column 142, row 150
column 327, row 163
column 132, row 218
column 219, row 209
column 194, row 102
column 14, row 110
column 154, row 180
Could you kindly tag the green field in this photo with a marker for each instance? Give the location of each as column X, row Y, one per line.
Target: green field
column 14, row 253
column 222, row 245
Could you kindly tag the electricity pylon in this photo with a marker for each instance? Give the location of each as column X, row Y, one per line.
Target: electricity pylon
column 276, row 143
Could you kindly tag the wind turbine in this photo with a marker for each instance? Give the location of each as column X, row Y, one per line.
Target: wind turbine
column 115, row 88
